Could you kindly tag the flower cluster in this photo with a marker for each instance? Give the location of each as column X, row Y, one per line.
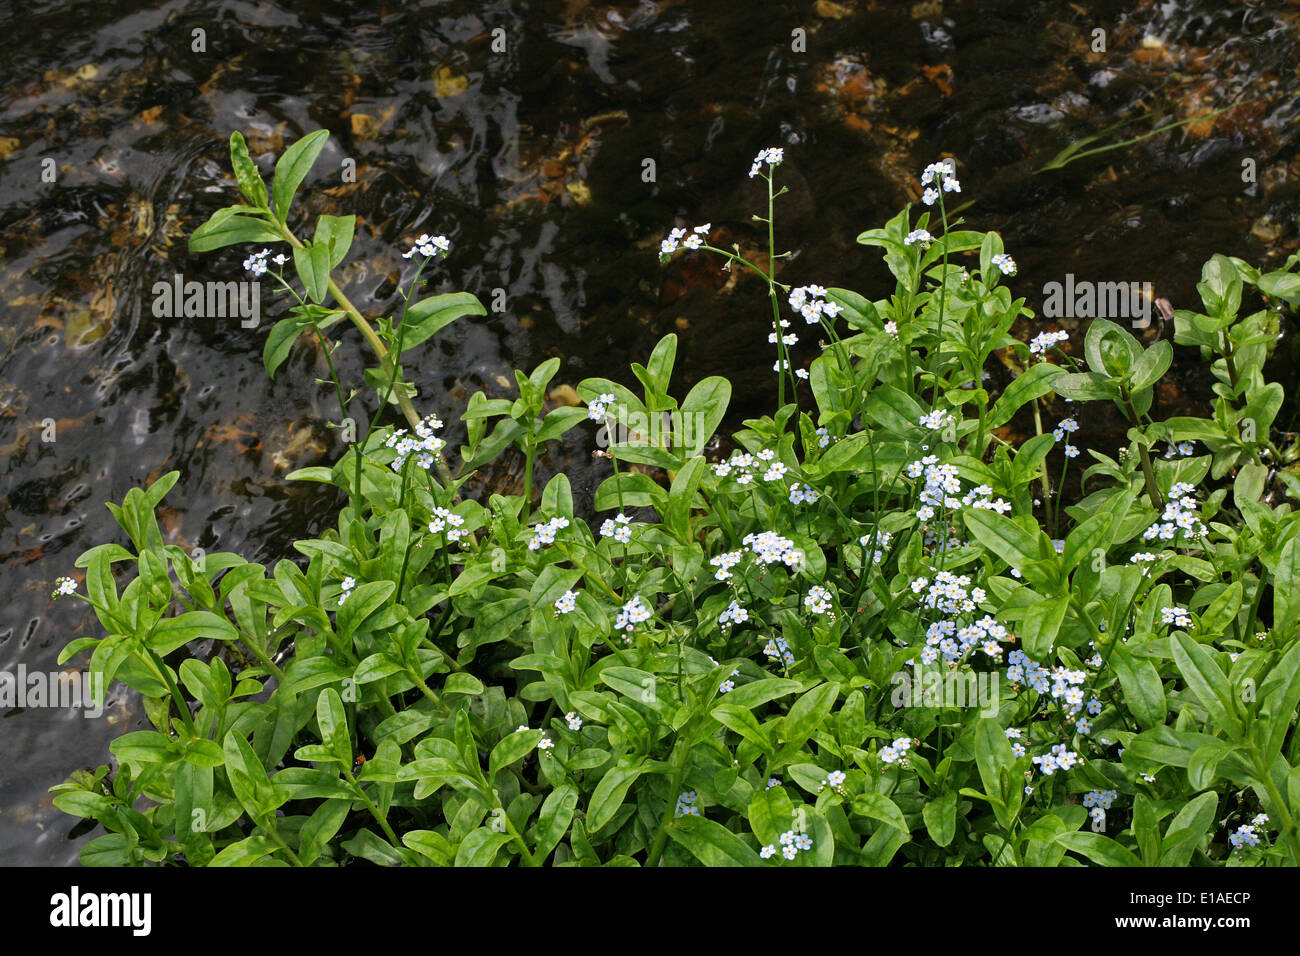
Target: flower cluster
column 950, row 593
column 346, row 589
column 802, row 494
column 897, row 751
column 1099, row 798
column 566, row 602
column 1061, row 682
column 429, row 246
column 945, row 639
column 1183, row 449
column 747, row 466
column 1178, row 616
column 545, row 533
column 942, row 486
column 918, row 235
column 934, row 420
column 724, row 563
column 1005, row 263
column 686, row 805
column 256, row 263
column 425, row 443
column 573, row 720
column 444, row 519
column 734, row 614
column 681, row 238
column 834, row 780
column 882, row 538
column 770, row 547
column 778, row 648
column 597, row 407
column 940, row 174
column 810, row 302
column 773, row 156
column 1248, row 833
column 1181, row 516
column 62, row 586
column 619, row 528
column 728, row 685
column 791, row 845
column 1045, row 340
column 633, row 613
column 1057, row 759
column 818, row 600
column 1068, row 426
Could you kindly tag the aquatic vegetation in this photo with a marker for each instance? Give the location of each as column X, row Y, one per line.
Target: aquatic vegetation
column 851, row 641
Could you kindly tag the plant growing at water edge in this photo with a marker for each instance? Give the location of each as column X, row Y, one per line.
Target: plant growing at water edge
column 850, row 642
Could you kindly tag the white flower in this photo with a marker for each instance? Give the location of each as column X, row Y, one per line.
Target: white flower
column 918, row 235
column 429, row 246
column 256, row 263
column 818, row 600
column 573, row 720
column 1045, row 340
column 64, row 585
column 566, row 602
column 733, row 614
column 1005, row 263
column 772, row 156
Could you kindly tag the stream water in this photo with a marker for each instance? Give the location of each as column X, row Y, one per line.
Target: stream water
column 527, row 147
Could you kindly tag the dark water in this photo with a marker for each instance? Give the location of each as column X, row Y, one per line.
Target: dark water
column 531, row 161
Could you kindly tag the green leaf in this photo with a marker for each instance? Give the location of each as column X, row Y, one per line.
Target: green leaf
column 279, row 343
column 313, row 266
column 1152, row 365
column 1207, row 681
column 246, row 174
column 808, row 713
column 335, row 234
column 333, row 722
column 292, row 169
column 1084, row 386
column 320, row 828
column 1042, row 624
column 480, row 847
column 1098, row 848
column 217, row 233
column 248, row 780
column 1008, row 540
column 1279, row 694
column 554, row 819
column 246, row 852
column 1143, row 691
column 430, row 316
column 173, row 632
column 362, row 603
column 769, row 813
column 704, row 408
column 742, row 721
column 1034, row 383
column 711, row 843
column 940, row 817
column 512, row 747
column 466, row 684
column 880, row 807
column 610, row 792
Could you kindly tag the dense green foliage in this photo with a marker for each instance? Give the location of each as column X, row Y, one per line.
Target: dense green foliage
column 756, row 664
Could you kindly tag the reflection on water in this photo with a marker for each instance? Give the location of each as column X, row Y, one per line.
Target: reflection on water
column 528, row 148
